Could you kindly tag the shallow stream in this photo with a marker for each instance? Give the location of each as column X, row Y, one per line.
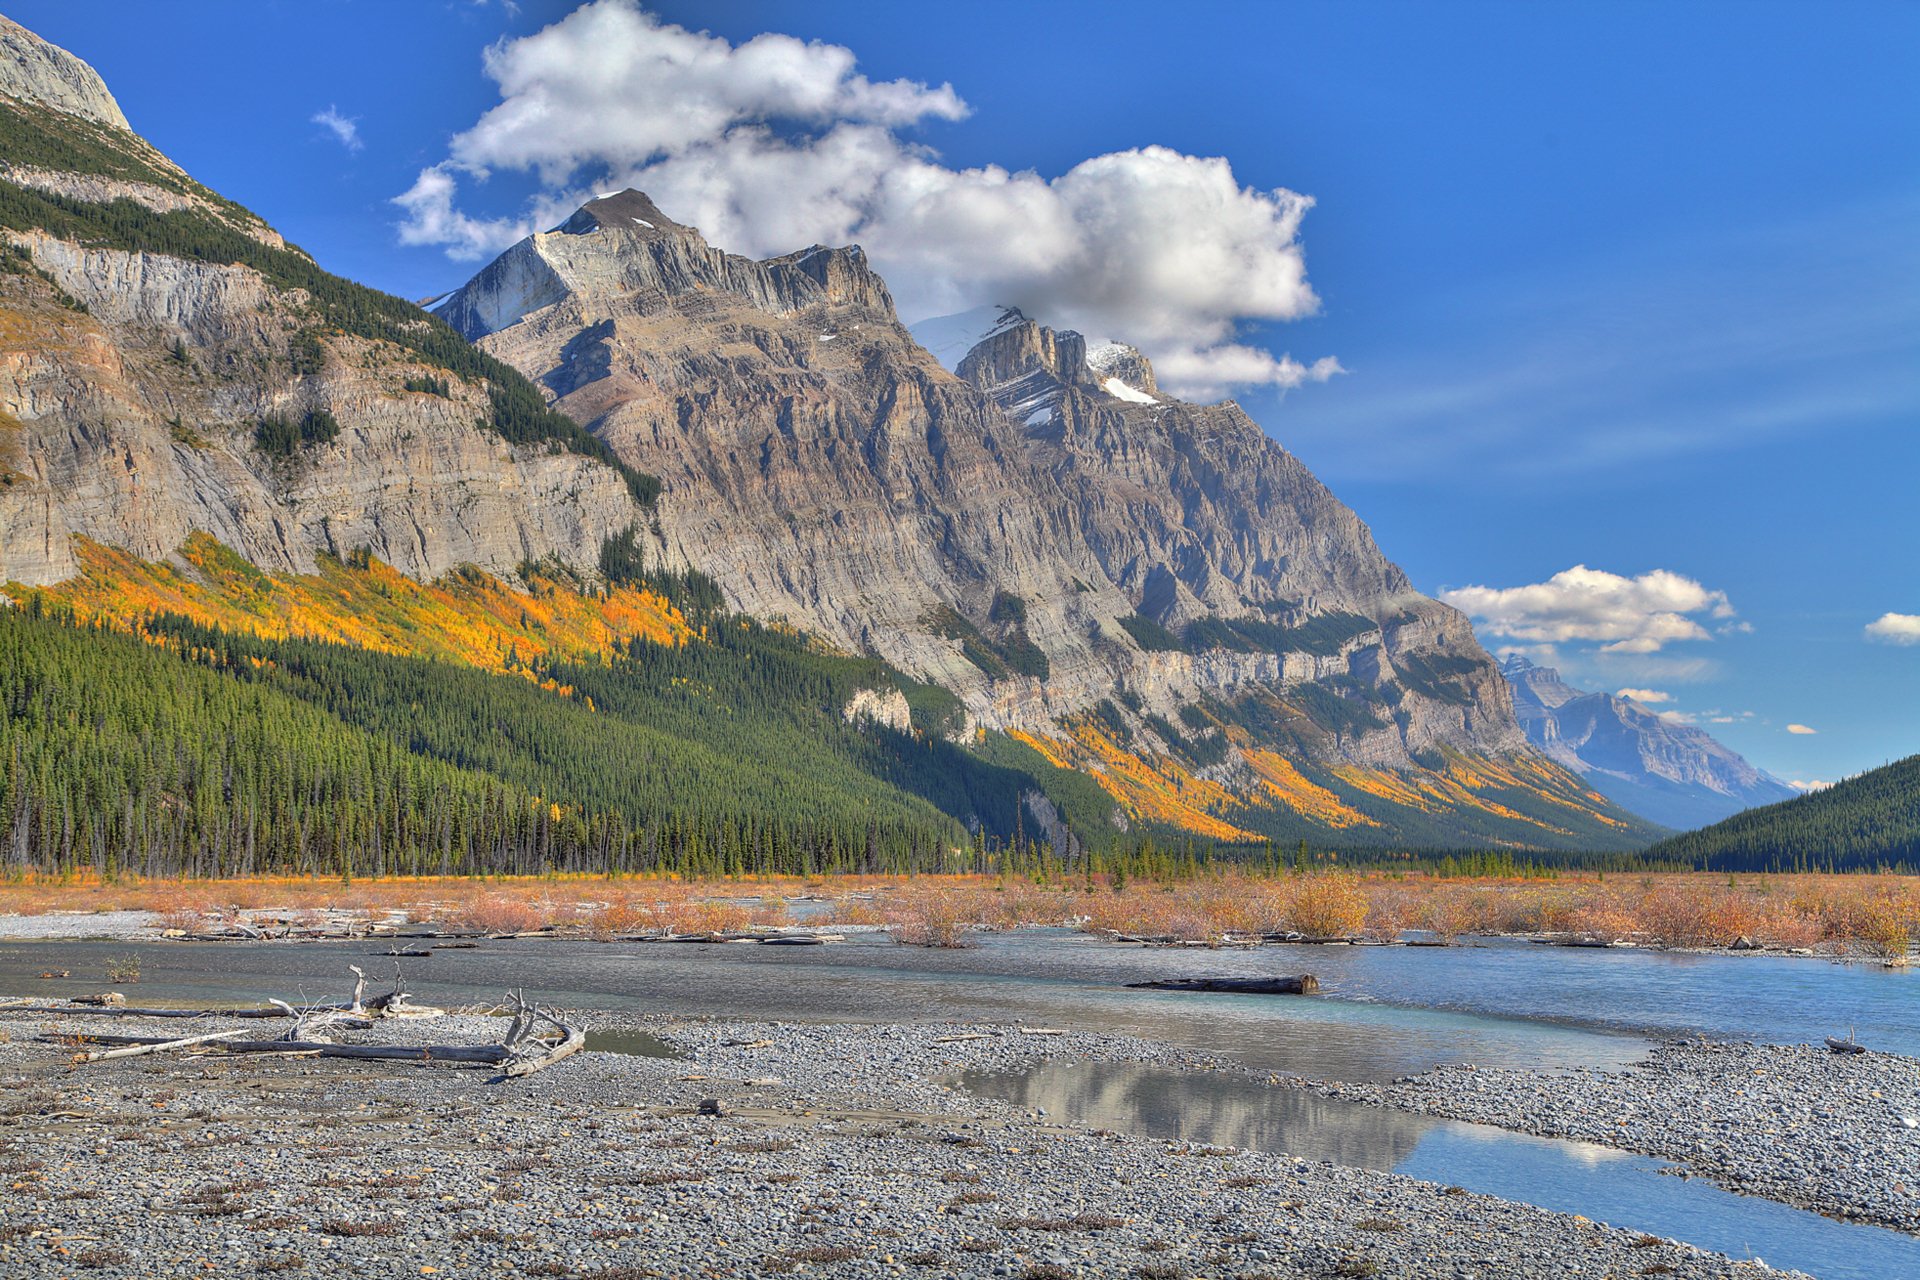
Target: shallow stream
column 1383, row 1012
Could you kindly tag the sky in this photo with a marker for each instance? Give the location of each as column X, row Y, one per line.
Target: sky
column 1606, row 317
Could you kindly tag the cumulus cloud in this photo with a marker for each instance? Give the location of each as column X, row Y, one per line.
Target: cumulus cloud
column 1895, row 628
column 345, row 129
column 1800, row 728
column 1622, row 615
column 1649, row 697
column 777, row 143
column 1811, row 784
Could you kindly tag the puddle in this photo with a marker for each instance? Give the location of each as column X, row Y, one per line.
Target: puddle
column 636, row 1044
column 1631, row 1191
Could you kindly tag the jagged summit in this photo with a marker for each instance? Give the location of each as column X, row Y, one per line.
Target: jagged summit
column 35, row 71
column 627, row 210
column 1028, row 367
column 1674, row 773
column 620, row 254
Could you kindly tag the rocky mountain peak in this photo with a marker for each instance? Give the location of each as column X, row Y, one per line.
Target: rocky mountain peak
column 1671, row 772
column 629, row 211
column 619, row 254
column 35, row 71
column 1026, row 365
column 1129, row 366
column 1017, row 349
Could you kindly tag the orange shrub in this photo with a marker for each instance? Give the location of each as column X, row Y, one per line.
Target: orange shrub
column 497, row 913
column 1328, row 905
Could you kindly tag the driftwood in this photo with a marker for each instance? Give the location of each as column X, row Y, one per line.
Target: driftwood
column 158, row 1046
column 526, row 1054
column 1849, row 1045
column 1303, row 985
column 520, row 1052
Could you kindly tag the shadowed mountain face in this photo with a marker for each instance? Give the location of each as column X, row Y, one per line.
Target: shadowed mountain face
column 1150, row 592
column 1674, row 774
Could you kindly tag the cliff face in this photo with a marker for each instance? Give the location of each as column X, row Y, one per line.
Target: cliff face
column 1175, row 624
column 148, row 328
column 35, row 71
column 1042, row 532
column 1675, row 774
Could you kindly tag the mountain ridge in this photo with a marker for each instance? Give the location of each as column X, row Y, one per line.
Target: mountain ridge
column 1082, row 550
column 1676, row 774
column 1132, row 618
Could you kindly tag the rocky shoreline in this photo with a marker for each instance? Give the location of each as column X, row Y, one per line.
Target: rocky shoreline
column 836, row 1151
column 1835, row 1133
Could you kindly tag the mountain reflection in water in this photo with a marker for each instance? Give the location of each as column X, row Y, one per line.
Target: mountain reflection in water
column 1213, row 1107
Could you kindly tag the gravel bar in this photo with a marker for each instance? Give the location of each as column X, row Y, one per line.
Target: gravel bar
column 838, row 1152
column 1835, row 1133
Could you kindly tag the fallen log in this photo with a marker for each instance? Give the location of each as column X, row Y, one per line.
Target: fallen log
column 1303, row 985
column 161, row 1046
column 1837, row 1045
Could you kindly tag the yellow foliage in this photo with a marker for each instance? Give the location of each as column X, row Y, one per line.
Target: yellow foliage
column 468, row 617
column 1292, row 788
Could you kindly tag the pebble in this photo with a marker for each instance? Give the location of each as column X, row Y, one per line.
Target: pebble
column 861, row 1162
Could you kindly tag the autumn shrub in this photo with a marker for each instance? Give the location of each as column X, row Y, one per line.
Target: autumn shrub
column 1328, row 905
column 497, row 913
column 180, row 908
column 1391, row 911
column 1445, row 913
column 930, row 918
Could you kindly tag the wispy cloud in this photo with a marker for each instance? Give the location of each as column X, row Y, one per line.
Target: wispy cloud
column 1801, row 729
column 345, row 129
column 1771, row 331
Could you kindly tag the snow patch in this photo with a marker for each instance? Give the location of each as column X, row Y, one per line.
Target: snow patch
column 648, row 225
column 828, row 337
column 1121, row 391
column 1104, row 355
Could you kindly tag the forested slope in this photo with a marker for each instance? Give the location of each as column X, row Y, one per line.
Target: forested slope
column 186, row 750
column 1868, row 821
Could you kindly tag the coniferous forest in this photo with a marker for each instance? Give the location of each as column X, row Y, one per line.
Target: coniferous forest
column 185, row 750
column 1865, row 822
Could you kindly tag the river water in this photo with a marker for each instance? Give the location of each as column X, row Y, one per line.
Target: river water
column 1382, row 1012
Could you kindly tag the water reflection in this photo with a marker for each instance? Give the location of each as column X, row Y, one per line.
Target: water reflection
column 1216, row 1108
column 1616, row 1187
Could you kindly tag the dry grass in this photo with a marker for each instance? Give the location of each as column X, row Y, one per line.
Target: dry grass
column 1870, row 915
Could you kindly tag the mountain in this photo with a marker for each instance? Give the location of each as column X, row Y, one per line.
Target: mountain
column 1149, row 592
column 742, row 579
column 1675, row 774
column 1865, row 822
column 173, row 366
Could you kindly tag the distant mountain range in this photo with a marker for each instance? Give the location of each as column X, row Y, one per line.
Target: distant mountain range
column 1675, row 774
column 1872, row 820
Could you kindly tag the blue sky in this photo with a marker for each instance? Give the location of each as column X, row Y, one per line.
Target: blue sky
column 1634, row 287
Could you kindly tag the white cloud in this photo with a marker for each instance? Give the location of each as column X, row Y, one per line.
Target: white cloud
column 1623, row 615
column 1895, row 628
column 1647, row 696
column 775, row 143
column 345, row 129
column 1813, row 784
column 1800, row 728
